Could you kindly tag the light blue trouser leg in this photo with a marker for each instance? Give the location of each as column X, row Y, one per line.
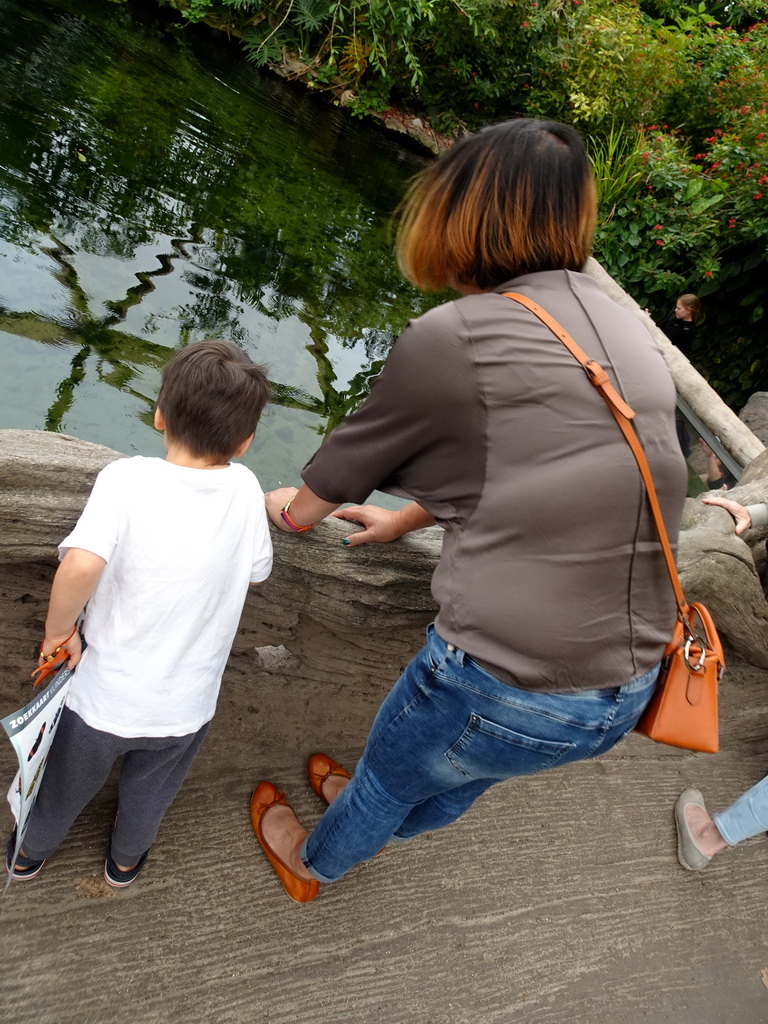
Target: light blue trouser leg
column 748, row 816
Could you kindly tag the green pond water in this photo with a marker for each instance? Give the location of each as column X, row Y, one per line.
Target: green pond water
column 156, row 190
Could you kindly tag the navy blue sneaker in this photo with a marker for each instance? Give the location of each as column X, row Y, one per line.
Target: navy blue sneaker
column 119, row 879
column 24, row 868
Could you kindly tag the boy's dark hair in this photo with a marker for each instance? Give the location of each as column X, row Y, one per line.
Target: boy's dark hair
column 211, row 398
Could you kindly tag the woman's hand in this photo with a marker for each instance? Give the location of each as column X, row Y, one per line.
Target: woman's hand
column 741, row 517
column 383, row 525
column 306, row 508
column 277, row 500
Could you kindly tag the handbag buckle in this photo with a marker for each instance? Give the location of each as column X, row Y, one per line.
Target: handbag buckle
column 701, row 644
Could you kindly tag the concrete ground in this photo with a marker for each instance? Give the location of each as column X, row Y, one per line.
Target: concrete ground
column 557, row 899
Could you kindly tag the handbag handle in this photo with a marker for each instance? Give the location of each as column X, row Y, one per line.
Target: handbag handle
column 623, row 415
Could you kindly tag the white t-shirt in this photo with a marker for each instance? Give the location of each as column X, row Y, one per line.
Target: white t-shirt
column 181, row 546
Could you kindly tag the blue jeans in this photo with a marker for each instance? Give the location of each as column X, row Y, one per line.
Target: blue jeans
column 446, row 732
column 747, row 817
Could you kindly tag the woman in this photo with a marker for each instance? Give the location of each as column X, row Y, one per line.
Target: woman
column 555, row 605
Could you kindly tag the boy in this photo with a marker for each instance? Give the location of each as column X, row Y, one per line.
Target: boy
column 162, row 555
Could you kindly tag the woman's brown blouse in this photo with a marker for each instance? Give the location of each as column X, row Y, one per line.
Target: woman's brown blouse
column 551, row 574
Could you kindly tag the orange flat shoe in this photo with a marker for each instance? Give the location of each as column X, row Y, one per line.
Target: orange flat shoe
column 265, row 796
column 319, row 767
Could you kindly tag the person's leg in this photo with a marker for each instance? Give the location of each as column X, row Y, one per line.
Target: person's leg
column 747, row 817
column 78, row 765
column 441, row 810
column 280, row 827
column 447, row 731
column 150, row 777
column 606, row 729
column 701, row 835
column 698, row 839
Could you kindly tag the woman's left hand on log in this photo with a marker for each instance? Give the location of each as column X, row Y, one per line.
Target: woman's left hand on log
column 383, row 525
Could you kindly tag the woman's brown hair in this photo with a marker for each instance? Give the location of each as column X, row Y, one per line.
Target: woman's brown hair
column 515, row 198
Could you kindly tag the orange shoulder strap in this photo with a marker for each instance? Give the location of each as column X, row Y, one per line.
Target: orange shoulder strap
column 623, row 415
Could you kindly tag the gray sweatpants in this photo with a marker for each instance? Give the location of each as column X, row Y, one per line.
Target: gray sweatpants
column 79, row 764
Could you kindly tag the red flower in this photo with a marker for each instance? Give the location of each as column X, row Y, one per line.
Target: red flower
column 659, row 242
column 658, row 227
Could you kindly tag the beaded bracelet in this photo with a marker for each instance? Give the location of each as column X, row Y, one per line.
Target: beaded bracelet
column 50, row 657
column 289, row 522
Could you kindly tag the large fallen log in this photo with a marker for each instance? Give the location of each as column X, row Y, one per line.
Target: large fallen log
column 330, row 612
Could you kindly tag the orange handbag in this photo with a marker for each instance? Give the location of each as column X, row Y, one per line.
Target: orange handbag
column 683, row 709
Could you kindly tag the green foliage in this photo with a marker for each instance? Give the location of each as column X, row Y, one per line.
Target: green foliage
column 618, row 165
column 191, row 211
column 722, row 12
column 671, row 97
column 700, row 225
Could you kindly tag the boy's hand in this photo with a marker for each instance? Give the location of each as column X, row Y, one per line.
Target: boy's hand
column 73, row 584
column 69, row 642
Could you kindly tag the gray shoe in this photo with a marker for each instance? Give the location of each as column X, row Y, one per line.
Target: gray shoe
column 688, row 853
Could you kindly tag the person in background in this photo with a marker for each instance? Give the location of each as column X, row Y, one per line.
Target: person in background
column 680, row 325
column 744, row 516
column 162, row 556
column 718, row 477
column 554, row 604
column 700, row 835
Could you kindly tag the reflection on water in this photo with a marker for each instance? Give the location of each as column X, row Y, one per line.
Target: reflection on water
column 154, row 191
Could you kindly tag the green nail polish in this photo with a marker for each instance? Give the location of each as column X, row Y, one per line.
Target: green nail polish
column 345, row 541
